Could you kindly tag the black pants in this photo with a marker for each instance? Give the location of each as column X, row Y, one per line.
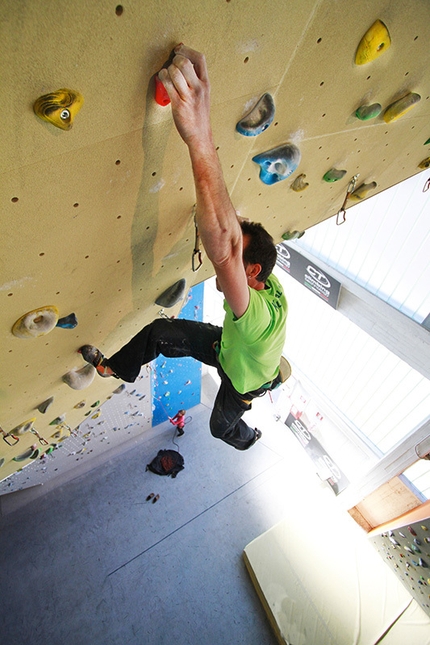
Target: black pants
column 176, row 338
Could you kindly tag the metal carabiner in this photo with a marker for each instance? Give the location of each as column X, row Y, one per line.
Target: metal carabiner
column 196, row 258
column 342, row 212
column 42, row 441
column 6, row 435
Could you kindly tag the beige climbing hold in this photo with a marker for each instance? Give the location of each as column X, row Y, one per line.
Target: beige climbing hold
column 397, row 109
column 362, row 191
column 375, row 42
column 36, row 323
column 59, row 108
column 79, row 379
column 299, row 183
column 24, row 427
column 425, row 163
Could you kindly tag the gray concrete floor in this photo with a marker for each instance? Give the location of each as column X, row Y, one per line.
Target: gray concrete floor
column 92, row 562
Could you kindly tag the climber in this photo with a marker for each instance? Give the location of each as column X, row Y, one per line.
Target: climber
column 179, row 421
column 247, row 349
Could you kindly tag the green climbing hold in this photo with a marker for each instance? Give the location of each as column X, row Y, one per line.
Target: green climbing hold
column 333, row 175
column 367, row 112
column 292, row 235
column 58, row 420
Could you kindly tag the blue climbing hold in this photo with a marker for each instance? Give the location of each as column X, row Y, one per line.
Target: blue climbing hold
column 278, row 164
column 68, row 322
column 259, row 118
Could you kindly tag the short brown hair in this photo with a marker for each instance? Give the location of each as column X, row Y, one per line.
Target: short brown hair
column 261, row 248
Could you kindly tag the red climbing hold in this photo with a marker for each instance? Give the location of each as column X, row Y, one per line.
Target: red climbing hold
column 161, row 96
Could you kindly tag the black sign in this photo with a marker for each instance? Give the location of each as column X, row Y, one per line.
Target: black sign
column 325, row 465
column 308, row 274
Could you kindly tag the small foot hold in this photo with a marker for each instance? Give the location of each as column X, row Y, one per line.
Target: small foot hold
column 362, row 191
column 259, row 118
column 58, row 420
column 292, row 235
column 367, row 112
column 397, row 109
column 59, row 108
column 156, row 498
column 45, row 405
column 37, row 322
column 333, row 175
column 375, row 42
column 299, row 183
column 425, row 163
column 150, row 496
column 172, row 295
column 119, row 389
column 278, row 164
column 68, row 322
column 79, row 379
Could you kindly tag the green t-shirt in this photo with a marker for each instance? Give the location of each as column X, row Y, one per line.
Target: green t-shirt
column 251, row 346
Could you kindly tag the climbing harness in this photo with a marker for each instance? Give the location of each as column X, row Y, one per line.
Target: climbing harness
column 342, row 212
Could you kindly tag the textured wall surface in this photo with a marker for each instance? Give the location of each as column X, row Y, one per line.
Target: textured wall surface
column 97, row 220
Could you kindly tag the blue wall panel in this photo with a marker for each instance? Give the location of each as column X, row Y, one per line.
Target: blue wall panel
column 176, row 382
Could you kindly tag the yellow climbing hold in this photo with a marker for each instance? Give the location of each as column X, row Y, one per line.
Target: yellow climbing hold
column 362, row 191
column 59, row 108
column 425, row 163
column 375, row 42
column 400, row 107
column 36, row 323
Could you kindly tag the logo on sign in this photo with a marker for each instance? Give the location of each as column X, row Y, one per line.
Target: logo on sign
column 317, row 281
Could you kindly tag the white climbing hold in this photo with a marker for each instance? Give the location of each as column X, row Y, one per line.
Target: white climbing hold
column 36, row 323
column 79, row 379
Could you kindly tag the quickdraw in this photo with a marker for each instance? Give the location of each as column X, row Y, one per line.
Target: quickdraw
column 342, row 212
column 7, row 435
column 196, row 258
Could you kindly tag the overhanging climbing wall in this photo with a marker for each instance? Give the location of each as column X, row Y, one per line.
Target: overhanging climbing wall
column 96, row 220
